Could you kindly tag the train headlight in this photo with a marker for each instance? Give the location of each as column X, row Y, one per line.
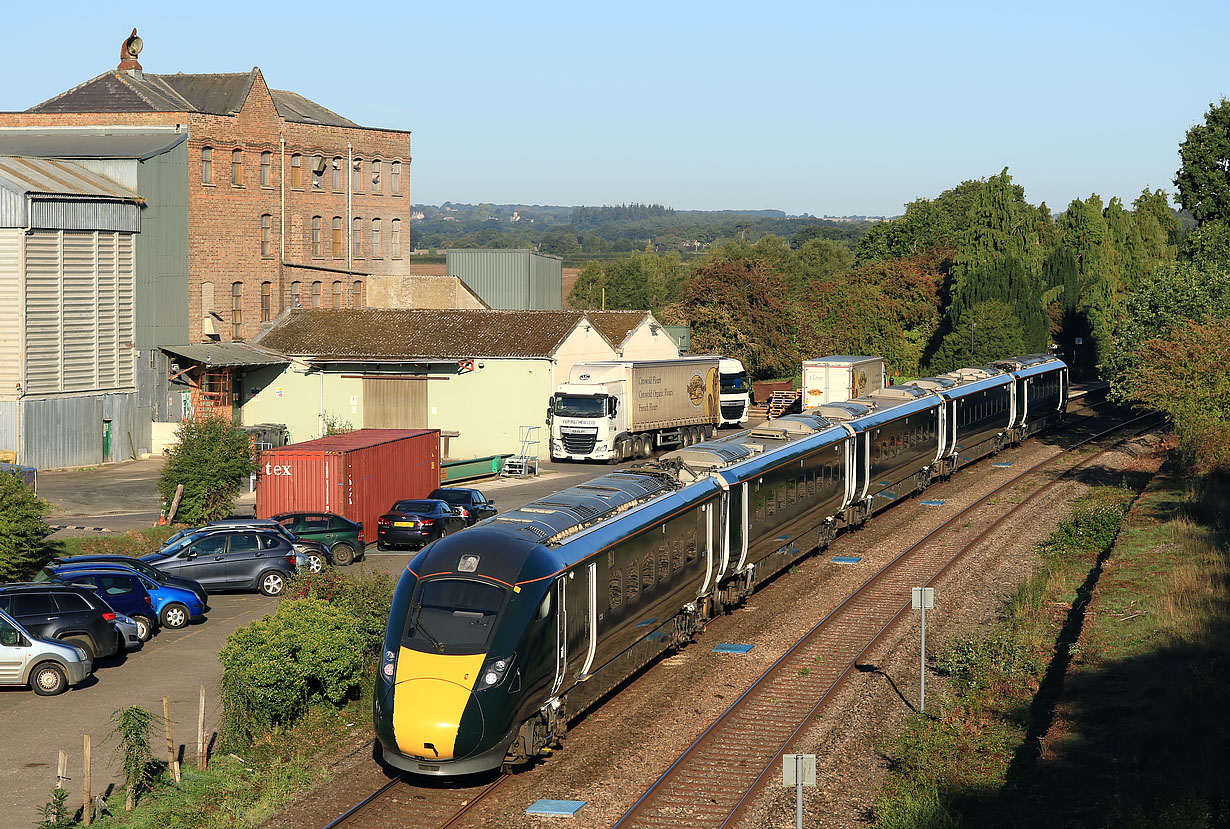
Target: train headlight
column 388, row 666
column 494, row 671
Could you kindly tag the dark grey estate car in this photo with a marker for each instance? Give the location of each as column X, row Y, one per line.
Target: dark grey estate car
column 73, row 615
column 238, row 559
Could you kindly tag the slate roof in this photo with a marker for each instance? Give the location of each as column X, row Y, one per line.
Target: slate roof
column 212, row 94
column 405, row 334
column 616, row 326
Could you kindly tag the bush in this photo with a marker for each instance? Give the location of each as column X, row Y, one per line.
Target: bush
column 365, row 596
column 22, row 530
column 1089, row 528
column 307, row 652
column 211, row 459
column 978, row 663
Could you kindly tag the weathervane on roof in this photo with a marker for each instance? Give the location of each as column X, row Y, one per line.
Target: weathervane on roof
column 129, row 51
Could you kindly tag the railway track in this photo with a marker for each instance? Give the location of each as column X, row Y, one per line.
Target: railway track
column 711, row 783
column 399, row 804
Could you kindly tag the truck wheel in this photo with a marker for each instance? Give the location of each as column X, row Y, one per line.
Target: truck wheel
column 646, row 447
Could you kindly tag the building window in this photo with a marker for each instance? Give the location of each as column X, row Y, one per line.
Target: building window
column 337, row 173
column 296, row 294
column 267, row 235
column 318, row 172
column 395, row 239
column 317, row 249
column 356, row 237
column 375, row 238
column 376, row 175
column 207, row 165
column 337, row 294
column 236, row 310
column 266, row 172
column 356, row 295
column 395, row 178
column 237, row 168
column 266, row 301
column 356, row 176
column 315, row 294
column 337, row 237
column 296, row 171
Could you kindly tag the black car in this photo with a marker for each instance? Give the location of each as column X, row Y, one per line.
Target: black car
column 74, row 615
column 416, row 523
column 141, row 567
column 475, row 504
column 342, row 537
column 230, row 559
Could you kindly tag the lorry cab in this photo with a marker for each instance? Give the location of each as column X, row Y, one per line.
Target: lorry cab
column 736, row 399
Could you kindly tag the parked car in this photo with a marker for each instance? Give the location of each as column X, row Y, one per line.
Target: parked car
column 191, row 585
column 130, row 632
column 230, row 559
column 59, row 611
column 174, row 607
column 416, row 523
column 122, row 591
column 45, row 666
column 343, row 537
column 316, row 554
column 475, row 505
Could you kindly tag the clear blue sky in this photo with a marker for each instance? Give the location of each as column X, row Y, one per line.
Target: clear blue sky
column 813, row 107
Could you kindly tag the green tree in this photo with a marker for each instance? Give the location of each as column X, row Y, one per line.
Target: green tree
column 1203, row 177
column 211, row 458
column 987, row 332
column 22, row 530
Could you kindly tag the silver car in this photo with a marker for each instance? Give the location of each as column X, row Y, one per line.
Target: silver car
column 130, row 632
column 48, row 667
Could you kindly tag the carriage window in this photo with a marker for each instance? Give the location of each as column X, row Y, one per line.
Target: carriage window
column 759, row 507
column 781, row 498
column 677, row 554
column 692, row 549
column 647, row 572
column 664, row 562
column 792, row 496
column 770, row 504
column 634, row 581
column 615, row 589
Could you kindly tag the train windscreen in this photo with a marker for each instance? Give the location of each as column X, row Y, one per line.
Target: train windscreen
column 454, row 616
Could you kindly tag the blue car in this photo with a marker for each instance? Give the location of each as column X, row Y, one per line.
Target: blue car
column 174, row 607
column 123, row 591
column 108, row 560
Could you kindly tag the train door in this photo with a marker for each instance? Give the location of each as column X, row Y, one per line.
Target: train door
column 739, row 521
column 580, row 604
column 712, row 562
column 561, row 632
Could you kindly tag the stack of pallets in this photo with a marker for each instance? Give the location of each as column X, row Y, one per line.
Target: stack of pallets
column 784, row 402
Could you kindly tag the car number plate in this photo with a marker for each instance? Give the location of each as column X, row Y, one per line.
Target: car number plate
column 403, row 523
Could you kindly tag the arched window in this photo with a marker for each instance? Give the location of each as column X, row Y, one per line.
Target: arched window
column 296, row 171
column 296, row 294
column 395, row 238
column 267, row 235
column 338, row 249
column 317, row 244
column 356, row 176
column 316, row 294
column 266, row 301
column 395, row 178
column 237, row 168
column 356, row 295
column 375, row 238
column 375, row 175
column 318, row 172
column 337, row 294
column 236, row 310
column 207, row 298
column 337, row 173
column 356, row 237
column 266, row 172
column 207, row 165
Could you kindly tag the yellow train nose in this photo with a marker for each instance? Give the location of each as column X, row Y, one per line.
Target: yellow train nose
column 431, row 692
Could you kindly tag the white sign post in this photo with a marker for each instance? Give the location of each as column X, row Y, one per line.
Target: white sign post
column 922, row 598
column 798, row 770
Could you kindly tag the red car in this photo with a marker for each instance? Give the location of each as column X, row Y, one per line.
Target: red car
column 417, row 523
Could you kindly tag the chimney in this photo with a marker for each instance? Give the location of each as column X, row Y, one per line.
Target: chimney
column 128, row 55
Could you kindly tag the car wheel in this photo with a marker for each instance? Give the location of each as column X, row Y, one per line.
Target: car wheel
column 82, row 642
column 175, row 616
column 343, row 554
column 48, row 679
column 315, row 562
column 381, row 546
column 272, row 583
column 145, row 627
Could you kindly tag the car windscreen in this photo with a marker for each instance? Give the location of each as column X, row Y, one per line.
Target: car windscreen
column 415, row 506
column 451, row 615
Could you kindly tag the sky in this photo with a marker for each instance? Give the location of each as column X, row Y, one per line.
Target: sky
column 807, row 107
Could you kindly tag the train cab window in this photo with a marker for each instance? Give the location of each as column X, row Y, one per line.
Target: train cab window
column 454, row 615
column 615, row 589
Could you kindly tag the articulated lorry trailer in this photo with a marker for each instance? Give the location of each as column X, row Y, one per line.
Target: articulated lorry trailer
column 619, row 409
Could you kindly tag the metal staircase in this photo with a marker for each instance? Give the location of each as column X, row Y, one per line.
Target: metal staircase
column 526, row 461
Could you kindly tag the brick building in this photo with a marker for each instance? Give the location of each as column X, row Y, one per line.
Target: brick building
column 289, row 203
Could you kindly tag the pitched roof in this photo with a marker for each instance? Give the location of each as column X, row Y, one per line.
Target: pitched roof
column 215, row 93
column 616, row 326
column 403, row 334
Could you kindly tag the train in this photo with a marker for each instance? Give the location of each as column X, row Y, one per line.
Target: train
column 498, row 635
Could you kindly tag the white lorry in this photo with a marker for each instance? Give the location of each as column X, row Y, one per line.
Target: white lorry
column 735, row 392
column 619, row 409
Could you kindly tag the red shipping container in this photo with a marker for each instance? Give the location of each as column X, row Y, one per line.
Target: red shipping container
column 357, row 475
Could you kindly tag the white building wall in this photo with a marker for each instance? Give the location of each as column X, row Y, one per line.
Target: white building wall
column 649, row 341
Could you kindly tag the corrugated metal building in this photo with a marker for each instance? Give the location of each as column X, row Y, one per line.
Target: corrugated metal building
column 516, row 280
column 67, row 326
column 151, row 161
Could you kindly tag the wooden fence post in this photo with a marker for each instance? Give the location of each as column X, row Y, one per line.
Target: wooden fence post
column 62, row 769
column 87, row 812
column 172, row 763
column 200, row 734
column 179, row 493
